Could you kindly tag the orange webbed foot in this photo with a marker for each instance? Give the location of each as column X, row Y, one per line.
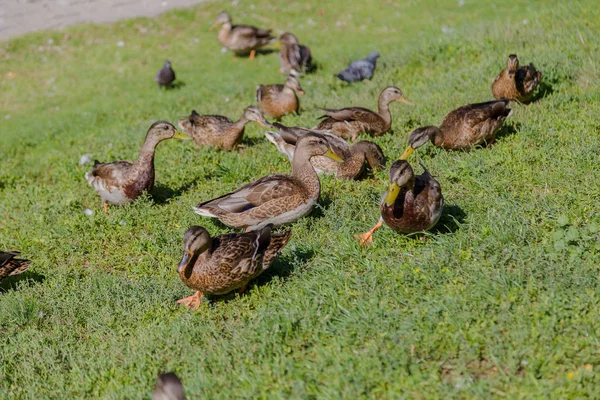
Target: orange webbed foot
column 252, row 55
column 192, row 301
column 367, row 238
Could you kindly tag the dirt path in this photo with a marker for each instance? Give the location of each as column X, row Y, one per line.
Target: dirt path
column 21, row 16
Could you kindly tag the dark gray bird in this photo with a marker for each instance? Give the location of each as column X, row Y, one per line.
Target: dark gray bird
column 360, row 69
column 165, row 76
column 168, row 387
column 9, row 265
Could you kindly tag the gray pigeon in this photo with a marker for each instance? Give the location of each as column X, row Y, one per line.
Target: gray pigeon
column 165, row 76
column 361, row 69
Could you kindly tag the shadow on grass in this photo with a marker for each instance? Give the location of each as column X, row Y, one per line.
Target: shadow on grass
column 173, row 86
column 12, row 282
column 248, row 141
column 162, row 194
column 261, row 52
column 544, row 89
column 507, row 130
column 452, row 218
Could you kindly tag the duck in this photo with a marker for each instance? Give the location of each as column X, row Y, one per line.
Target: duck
column 219, row 131
column 241, row 39
column 356, row 157
column 274, row 199
column 121, row 182
column 350, row 122
column 293, row 55
column 222, row 264
column 360, row 69
column 463, row 128
column 10, row 265
column 411, row 203
column 168, row 387
column 165, row 76
column 276, row 101
column 516, row 83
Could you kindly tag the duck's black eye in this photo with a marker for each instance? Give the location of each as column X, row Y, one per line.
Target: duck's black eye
column 165, row 127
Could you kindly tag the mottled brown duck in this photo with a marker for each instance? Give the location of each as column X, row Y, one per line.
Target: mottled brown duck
column 350, row 122
column 293, row 55
column 10, row 265
column 516, row 83
column 274, row 199
column 463, row 128
column 222, row 264
column 121, row 182
column 241, row 39
column 276, row 101
column 219, row 131
column 410, row 204
column 356, row 158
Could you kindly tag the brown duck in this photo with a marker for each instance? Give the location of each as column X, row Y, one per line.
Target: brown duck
column 410, row 204
column 279, row 100
column 219, row 131
column 293, row 55
column 241, row 39
column 516, row 83
column 352, row 121
column 121, row 182
column 274, row 199
column 356, row 157
column 463, row 128
column 9, row 265
column 219, row 265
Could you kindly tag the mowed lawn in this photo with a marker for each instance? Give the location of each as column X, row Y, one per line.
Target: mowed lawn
column 501, row 299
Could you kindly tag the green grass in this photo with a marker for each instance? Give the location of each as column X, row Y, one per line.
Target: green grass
column 501, row 299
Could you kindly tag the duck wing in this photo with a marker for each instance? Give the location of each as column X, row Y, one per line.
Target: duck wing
column 9, row 265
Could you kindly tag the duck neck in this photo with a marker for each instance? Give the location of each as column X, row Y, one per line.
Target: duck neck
column 384, row 112
column 303, row 170
column 240, row 124
column 225, row 31
column 146, row 157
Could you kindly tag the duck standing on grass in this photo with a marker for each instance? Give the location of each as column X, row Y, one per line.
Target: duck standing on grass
column 293, row 55
column 274, row 199
column 410, row 204
column 241, row 39
column 278, row 100
column 463, row 128
column 222, row 264
column 516, row 83
column 9, row 265
column 219, row 131
column 350, row 122
column 165, row 76
column 121, row 182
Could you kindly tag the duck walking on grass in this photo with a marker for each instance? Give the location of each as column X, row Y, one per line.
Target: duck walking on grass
column 10, row 265
column 293, row 55
column 241, row 39
column 350, row 122
column 165, row 76
column 410, row 204
column 274, row 199
column 219, row 265
column 278, row 100
column 356, row 157
column 121, row 182
column 360, row 69
column 463, row 128
column 516, row 83
column 219, row 131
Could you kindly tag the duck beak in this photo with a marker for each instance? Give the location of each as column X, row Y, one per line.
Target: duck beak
column 185, row 260
column 409, row 150
column 405, row 101
column 300, row 90
column 213, row 26
column 391, row 194
column 263, row 122
column 277, row 45
column 333, row 156
column 179, row 135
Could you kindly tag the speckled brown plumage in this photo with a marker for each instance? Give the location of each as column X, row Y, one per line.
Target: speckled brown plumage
column 355, row 157
column 279, row 100
column 350, row 122
column 293, row 55
column 219, row 131
column 516, row 83
column 241, row 39
column 274, row 199
column 9, row 265
column 219, row 265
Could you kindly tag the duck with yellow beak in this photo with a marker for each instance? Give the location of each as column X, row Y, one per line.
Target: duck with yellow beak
column 410, row 204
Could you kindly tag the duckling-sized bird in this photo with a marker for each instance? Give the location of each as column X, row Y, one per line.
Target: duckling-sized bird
column 410, row 204
column 274, row 199
column 463, row 128
column 165, row 76
column 168, row 387
column 121, row 182
column 350, row 122
column 360, row 69
column 356, row 157
column 9, row 265
column 279, row 100
column 293, row 55
column 516, row 83
column 241, row 39
column 219, row 265
column 219, row 131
